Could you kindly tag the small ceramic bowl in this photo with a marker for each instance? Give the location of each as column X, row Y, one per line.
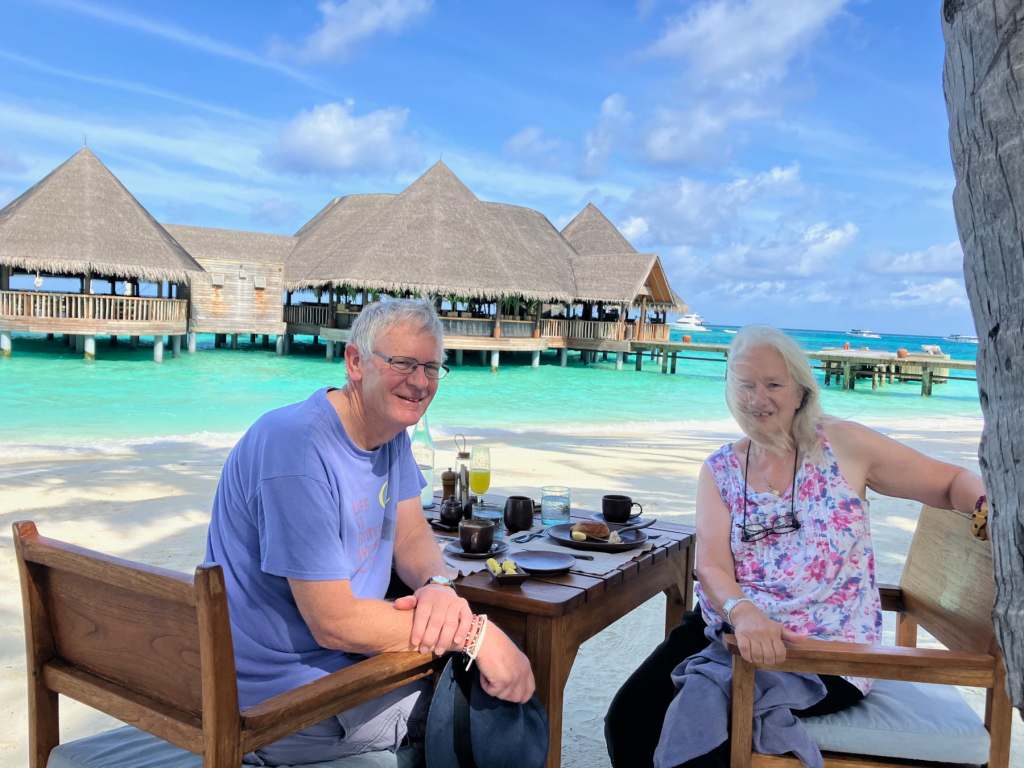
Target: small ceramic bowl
column 511, row 579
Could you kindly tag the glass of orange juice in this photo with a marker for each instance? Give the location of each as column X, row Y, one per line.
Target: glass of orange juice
column 480, row 471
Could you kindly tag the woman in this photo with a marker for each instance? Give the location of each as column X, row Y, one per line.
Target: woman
column 783, row 541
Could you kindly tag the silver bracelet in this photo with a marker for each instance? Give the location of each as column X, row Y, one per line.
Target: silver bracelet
column 730, row 605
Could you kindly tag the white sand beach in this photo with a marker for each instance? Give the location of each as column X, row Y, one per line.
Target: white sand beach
column 150, row 500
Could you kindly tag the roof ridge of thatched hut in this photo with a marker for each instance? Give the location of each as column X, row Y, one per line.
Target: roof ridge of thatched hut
column 434, row 237
column 590, row 231
column 238, row 244
column 80, row 219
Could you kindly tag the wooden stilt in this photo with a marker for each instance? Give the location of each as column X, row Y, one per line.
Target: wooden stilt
column 458, row 356
column 329, row 350
column 80, row 344
column 89, row 347
column 134, row 342
column 5, row 344
column 618, row 360
column 279, row 344
column 664, row 361
column 191, row 342
column 495, row 359
column 483, row 357
column 158, row 349
column 234, row 341
column 535, row 359
column 638, row 360
column 926, row 381
column 176, row 345
column 563, row 357
column 673, row 365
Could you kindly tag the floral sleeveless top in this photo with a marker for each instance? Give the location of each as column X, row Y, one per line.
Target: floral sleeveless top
column 819, row 580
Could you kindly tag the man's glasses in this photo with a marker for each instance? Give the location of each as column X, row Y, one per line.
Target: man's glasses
column 406, row 365
column 786, row 524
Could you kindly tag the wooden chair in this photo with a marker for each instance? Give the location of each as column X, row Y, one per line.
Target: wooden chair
column 947, row 588
column 153, row 649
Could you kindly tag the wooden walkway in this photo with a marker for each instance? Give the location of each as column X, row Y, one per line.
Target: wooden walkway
column 845, row 366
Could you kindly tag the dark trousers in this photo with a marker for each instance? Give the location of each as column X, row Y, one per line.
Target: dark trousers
column 633, row 723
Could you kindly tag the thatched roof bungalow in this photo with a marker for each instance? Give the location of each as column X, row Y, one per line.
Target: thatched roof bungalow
column 80, row 221
column 435, row 237
column 609, row 269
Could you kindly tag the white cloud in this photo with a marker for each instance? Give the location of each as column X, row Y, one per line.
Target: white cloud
column 177, row 34
column 744, row 43
column 346, row 23
column 634, row 228
column 944, row 258
column 691, row 211
column 678, row 136
column 531, row 145
column 800, row 252
column 126, row 86
column 599, row 142
column 331, row 137
column 946, row 291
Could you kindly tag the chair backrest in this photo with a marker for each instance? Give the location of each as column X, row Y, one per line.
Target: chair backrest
column 948, row 584
column 146, row 645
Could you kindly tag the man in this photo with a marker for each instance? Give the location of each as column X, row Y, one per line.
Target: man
column 315, row 504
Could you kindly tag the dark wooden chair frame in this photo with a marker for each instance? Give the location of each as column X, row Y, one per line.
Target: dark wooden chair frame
column 947, row 587
column 153, row 648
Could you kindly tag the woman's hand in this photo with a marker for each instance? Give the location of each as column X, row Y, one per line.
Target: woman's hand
column 760, row 639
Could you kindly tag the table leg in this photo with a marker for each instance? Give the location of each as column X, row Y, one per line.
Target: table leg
column 679, row 596
column 551, row 649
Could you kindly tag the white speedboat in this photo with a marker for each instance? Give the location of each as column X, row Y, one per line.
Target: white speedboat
column 962, row 339
column 689, row 322
column 863, row 333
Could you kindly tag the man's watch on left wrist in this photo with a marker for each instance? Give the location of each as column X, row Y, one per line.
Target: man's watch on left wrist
column 440, row 580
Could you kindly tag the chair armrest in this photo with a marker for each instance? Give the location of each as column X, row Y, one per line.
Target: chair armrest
column 306, row 705
column 922, row 665
column 892, row 597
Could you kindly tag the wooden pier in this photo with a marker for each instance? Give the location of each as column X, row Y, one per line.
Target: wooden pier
column 845, row 366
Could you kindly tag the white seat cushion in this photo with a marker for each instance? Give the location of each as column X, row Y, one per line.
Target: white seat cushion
column 131, row 748
column 916, row 721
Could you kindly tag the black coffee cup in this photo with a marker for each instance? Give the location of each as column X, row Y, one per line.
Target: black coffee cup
column 618, row 509
column 476, row 536
column 518, row 513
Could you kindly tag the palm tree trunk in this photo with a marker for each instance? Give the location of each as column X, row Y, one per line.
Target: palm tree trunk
column 984, row 72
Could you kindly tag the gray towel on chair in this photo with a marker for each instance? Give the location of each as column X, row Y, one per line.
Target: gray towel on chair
column 697, row 721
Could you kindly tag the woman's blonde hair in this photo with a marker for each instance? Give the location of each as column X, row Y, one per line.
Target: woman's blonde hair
column 809, row 416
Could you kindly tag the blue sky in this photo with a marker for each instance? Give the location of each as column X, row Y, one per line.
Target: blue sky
column 787, row 159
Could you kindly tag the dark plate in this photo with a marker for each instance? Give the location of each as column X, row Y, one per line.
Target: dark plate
column 544, row 562
column 455, row 548
column 630, row 540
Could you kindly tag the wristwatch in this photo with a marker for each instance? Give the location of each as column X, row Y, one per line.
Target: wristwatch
column 729, row 605
column 444, row 581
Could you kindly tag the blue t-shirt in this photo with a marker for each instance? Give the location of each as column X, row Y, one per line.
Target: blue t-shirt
column 297, row 498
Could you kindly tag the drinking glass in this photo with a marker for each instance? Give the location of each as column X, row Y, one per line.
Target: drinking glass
column 554, row 504
column 479, row 482
column 480, row 471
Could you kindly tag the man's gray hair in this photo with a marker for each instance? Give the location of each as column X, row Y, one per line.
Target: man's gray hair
column 381, row 316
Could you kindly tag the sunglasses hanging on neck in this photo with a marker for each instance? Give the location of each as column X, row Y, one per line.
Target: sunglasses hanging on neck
column 788, row 524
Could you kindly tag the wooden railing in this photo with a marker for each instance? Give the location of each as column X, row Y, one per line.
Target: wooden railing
column 309, row 314
column 78, row 306
column 650, row 332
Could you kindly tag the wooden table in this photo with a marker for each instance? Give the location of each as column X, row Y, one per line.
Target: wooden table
column 550, row 616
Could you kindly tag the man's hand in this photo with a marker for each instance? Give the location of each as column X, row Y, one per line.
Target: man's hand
column 441, row 619
column 504, row 671
column 758, row 637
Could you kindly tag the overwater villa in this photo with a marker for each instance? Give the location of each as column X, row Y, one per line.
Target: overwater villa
column 502, row 276
column 80, row 222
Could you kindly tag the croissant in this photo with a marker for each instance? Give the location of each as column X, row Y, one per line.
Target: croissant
column 592, row 528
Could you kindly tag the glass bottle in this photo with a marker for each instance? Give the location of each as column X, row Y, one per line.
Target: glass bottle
column 423, row 453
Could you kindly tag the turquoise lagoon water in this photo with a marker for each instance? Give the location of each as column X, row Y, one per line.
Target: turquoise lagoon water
column 49, row 394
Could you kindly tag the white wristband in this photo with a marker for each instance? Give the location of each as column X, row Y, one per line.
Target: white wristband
column 730, row 605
